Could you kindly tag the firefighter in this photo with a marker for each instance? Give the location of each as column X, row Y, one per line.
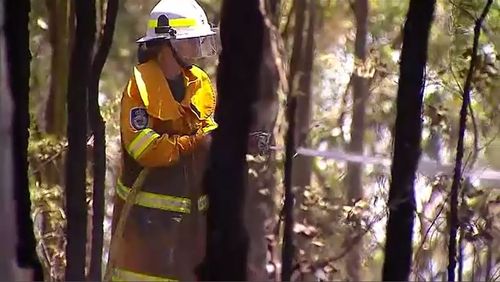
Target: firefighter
column 167, row 115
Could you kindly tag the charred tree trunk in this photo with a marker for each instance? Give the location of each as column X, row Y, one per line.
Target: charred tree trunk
column 7, row 211
column 18, row 57
column 260, row 208
column 99, row 149
column 226, row 176
column 359, row 97
column 457, row 176
column 76, row 206
column 407, row 148
column 288, row 252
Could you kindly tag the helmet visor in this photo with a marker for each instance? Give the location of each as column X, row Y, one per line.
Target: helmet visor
column 197, row 47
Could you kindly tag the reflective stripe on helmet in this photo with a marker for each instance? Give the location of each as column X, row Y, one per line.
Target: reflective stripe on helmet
column 162, row 202
column 180, row 22
column 141, row 142
column 125, row 275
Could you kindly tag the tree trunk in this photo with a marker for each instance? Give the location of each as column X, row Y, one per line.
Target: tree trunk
column 76, row 206
column 99, row 148
column 18, row 57
column 60, row 31
column 260, row 208
column 359, row 97
column 7, row 212
column 302, row 167
column 225, row 179
column 457, row 176
column 288, row 252
column 407, row 149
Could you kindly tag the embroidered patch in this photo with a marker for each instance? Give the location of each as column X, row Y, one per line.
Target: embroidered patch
column 138, row 118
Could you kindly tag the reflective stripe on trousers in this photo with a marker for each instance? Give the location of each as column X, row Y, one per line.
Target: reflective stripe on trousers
column 162, row 202
column 126, row 275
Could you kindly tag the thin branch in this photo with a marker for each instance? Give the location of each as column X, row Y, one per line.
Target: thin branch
column 460, row 148
column 487, row 143
column 424, row 239
column 474, row 123
column 343, row 103
column 455, row 79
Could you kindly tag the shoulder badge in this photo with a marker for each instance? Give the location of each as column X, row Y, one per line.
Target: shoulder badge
column 139, row 118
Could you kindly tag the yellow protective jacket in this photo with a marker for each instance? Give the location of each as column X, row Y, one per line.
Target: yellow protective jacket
column 165, row 230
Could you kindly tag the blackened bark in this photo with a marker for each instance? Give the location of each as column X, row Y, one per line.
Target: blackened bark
column 359, row 97
column 99, row 149
column 19, row 57
column 407, row 147
column 457, row 176
column 226, row 176
column 76, row 206
column 288, row 252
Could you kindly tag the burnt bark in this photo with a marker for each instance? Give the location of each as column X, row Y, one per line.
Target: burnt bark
column 407, row 147
column 359, row 96
column 18, row 58
column 226, row 177
column 288, row 252
column 457, row 176
column 99, row 149
column 76, row 206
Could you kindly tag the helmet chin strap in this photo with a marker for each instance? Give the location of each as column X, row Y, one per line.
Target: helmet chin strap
column 178, row 58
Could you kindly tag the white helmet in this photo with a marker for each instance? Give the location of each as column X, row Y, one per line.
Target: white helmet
column 184, row 23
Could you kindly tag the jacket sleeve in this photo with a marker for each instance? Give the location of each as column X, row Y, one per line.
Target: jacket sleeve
column 142, row 143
